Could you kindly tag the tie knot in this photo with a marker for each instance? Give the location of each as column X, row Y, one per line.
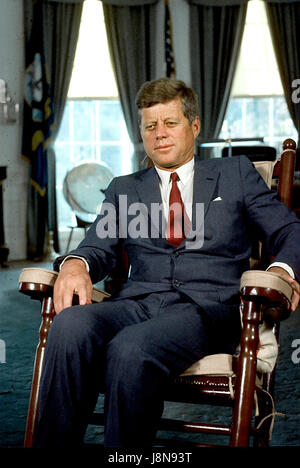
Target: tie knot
column 174, row 177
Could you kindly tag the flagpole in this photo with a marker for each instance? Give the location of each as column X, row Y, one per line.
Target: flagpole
column 169, row 49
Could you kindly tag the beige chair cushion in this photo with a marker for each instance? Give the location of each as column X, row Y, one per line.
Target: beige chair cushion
column 268, row 349
column 48, row 277
column 221, row 364
column 267, row 279
column 265, row 168
column 38, row 275
column 214, row 364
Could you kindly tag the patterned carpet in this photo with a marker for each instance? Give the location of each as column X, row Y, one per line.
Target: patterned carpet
column 19, row 325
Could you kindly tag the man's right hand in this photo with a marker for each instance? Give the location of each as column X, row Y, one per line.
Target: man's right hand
column 73, row 278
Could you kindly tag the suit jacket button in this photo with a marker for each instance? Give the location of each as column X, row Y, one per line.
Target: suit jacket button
column 176, row 283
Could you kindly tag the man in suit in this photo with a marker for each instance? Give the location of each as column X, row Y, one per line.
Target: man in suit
column 181, row 300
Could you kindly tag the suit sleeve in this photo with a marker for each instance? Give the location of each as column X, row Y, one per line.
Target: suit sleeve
column 277, row 226
column 100, row 247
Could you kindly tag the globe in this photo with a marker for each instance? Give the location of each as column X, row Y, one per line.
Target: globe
column 84, row 188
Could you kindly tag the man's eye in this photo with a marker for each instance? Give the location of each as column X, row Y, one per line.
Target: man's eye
column 149, row 127
column 171, row 123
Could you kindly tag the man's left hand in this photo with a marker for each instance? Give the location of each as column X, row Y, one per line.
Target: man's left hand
column 295, row 285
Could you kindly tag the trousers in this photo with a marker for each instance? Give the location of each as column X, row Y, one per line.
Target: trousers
column 128, row 349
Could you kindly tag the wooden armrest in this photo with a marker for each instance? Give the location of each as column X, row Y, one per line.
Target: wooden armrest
column 269, row 289
column 38, row 283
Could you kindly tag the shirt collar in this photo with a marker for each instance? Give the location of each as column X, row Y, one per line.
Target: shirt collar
column 184, row 173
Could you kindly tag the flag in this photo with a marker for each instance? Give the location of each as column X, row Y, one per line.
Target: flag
column 169, row 54
column 38, row 113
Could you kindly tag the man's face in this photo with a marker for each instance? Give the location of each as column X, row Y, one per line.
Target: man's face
column 167, row 134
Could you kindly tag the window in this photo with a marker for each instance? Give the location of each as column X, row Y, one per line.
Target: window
column 257, row 107
column 255, row 117
column 93, row 126
column 92, row 129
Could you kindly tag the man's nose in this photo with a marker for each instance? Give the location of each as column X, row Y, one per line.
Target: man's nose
column 160, row 131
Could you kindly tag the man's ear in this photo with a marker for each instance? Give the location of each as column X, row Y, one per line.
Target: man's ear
column 196, row 126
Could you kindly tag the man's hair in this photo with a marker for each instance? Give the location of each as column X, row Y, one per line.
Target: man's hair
column 164, row 90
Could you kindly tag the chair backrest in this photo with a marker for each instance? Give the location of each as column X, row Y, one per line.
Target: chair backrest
column 280, row 175
column 284, row 172
column 254, row 153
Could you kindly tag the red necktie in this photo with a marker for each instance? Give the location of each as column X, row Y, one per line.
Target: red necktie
column 178, row 223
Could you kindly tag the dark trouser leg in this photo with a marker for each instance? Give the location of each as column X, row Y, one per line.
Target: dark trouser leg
column 137, row 345
column 139, row 360
column 73, row 368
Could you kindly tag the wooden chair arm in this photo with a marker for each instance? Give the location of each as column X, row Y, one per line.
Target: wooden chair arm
column 38, row 283
column 265, row 296
column 270, row 290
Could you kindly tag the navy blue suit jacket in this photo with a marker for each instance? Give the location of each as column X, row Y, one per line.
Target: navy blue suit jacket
column 238, row 208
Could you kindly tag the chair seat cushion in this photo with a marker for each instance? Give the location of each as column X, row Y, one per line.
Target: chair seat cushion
column 221, row 364
column 213, row 364
column 267, row 349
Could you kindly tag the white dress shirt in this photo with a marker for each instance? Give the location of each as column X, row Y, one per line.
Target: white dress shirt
column 185, row 185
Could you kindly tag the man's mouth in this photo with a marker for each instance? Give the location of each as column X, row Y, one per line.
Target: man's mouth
column 162, row 147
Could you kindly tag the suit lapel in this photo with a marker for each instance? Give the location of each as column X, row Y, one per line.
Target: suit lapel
column 148, row 187
column 205, row 186
column 149, row 193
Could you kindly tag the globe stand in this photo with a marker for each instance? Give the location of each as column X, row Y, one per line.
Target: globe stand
column 50, row 255
column 81, row 225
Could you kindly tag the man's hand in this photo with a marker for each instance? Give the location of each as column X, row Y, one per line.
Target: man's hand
column 72, row 278
column 295, row 285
